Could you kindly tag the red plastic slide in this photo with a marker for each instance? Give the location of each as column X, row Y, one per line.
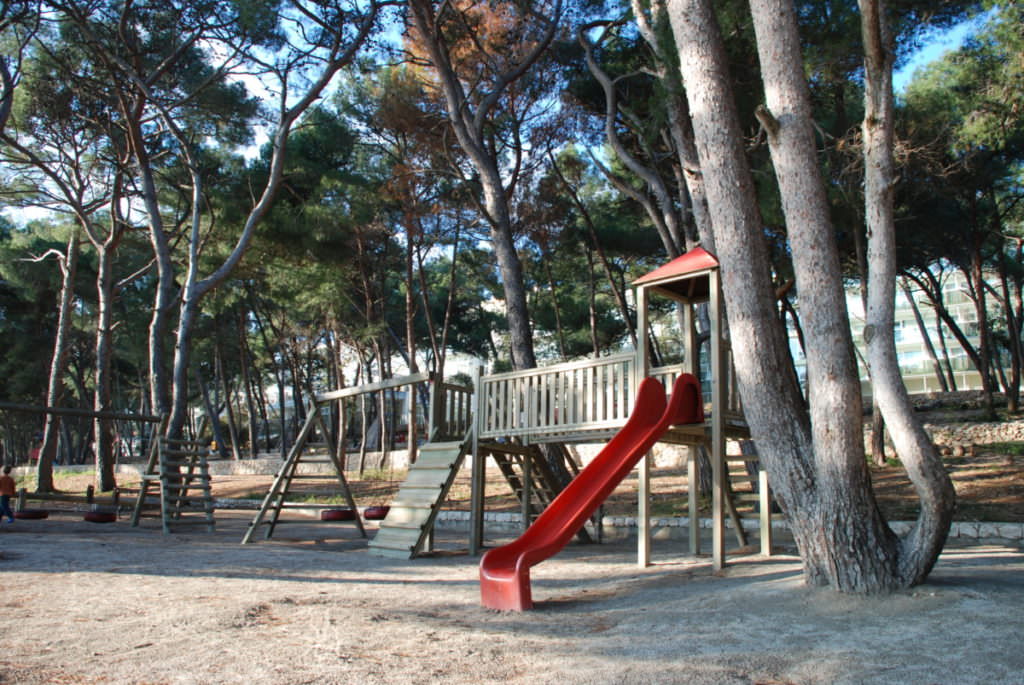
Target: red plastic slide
column 505, row 571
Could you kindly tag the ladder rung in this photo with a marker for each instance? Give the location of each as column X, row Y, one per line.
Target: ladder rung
column 181, row 441
column 309, row 505
column 183, row 453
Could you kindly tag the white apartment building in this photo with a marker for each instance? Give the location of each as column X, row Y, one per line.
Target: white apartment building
column 918, row 370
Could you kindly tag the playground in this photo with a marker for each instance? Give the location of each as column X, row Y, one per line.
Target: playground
column 88, row 603
column 401, row 599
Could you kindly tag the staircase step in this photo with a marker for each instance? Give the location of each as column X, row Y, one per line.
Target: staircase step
column 379, row 551
column 403, row 515
column 396, row 538
column 426, row 477
column 418, row 497
column 190, row 522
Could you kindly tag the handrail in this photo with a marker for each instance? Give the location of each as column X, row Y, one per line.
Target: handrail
column 564, row 398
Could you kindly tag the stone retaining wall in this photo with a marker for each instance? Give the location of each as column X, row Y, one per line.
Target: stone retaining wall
column 662, row 528
column 616, row 527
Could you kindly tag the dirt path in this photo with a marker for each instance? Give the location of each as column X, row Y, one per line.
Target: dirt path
column 85, row 604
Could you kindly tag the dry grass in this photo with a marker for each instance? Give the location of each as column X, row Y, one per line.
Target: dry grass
column 989, row 485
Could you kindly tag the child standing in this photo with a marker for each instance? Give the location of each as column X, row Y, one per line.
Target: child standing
column 6, row 493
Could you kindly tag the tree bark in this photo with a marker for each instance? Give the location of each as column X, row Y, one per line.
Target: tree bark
column 816, row 461
column 58, row 363
column 920, row 549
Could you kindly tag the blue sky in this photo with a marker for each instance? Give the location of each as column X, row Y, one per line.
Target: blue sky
column 935, row 47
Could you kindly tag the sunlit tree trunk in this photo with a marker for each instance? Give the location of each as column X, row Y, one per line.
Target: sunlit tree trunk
column 919, row 550
column 58, row 363
column 816, row 459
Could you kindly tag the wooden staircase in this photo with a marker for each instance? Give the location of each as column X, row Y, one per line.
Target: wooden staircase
column 179, row 469
column 527, row 473
column 410, row 521
column 526, row 465
column 744, row 483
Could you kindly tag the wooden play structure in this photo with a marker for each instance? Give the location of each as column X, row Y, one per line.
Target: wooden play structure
column 413, row 512
column 507, row 418
column 690, row 280
column 98, row 508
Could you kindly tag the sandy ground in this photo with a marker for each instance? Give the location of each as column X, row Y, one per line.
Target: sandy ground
column 89, row 603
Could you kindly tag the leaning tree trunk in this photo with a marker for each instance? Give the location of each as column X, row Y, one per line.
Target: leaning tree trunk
column 926, row 337
column 103, row 429
column 920, row 549
column 55, row 387
column 817, row 463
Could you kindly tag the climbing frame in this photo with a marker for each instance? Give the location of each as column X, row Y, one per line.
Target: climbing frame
column 179, row 471
column 277, row 498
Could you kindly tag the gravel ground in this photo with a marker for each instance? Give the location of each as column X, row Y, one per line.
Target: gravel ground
column 89, row 603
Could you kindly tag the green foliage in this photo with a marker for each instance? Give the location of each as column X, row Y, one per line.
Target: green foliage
column 1015, row 449
column 963, row 186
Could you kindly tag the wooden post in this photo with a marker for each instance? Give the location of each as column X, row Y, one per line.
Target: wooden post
column 527, row 493
column 765, row 502
column 641, row 369
column 693, row 497
column 643, row 519
column 478, row 477
column 433, row 409
column 692, row 364
column 718, row 399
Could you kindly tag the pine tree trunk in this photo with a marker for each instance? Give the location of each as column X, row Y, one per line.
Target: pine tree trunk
column 58, row 363
column 816, row 462
column 103, row 429
column 919, row 550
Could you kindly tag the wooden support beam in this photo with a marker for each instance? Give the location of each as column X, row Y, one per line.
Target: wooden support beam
column 478, row 477
column 693, row 497
column 79, row 413
column 642, row 366
column 373, row 387
column 765, row 503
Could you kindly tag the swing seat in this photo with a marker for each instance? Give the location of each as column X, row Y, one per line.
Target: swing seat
column 338, row 515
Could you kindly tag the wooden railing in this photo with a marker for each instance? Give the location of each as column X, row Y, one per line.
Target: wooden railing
column 590, row 396
column 453, row 410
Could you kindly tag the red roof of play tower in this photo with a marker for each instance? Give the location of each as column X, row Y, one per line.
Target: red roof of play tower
column 697, row 259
